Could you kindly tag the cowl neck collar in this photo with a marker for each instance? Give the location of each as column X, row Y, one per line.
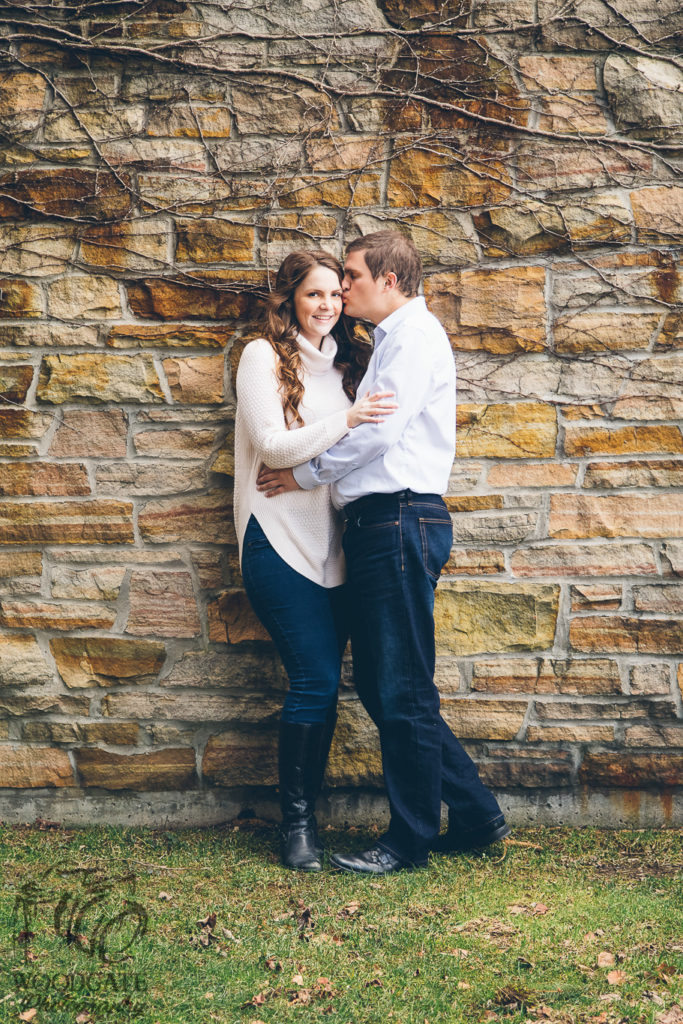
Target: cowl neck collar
column 317, row 360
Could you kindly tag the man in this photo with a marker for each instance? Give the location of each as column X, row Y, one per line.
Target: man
column 388, row 480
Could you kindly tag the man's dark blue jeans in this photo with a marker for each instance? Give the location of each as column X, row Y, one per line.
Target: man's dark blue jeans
column 396, row 546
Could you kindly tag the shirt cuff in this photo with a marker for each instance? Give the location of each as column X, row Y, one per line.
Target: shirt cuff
column 305, row 476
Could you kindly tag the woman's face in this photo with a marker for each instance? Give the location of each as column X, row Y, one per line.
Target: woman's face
column 318, row 304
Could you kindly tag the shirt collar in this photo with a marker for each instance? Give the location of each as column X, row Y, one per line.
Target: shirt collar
column 397, row 317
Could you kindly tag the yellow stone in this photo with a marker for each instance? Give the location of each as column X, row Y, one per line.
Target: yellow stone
column 84, row 297
column 516, row 431
column 471, row 718
column 473, row 617
column 132, row 245
column 195, row 381
column 89, row 377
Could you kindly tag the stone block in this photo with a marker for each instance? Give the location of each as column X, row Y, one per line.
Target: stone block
column 133, row 245
column 654, row 736
column 636, row 473
column 20, row 705
column 84, row 297
column 658, row 214
column 66, row 522
column 584, row 560
column 474, row 562
column 514, row 431
column 522, row 229
column 155, row 154
column 214, row 240
column 162, row 604
column 183, row 443
column 206, row 519
column 300, row 109
column 85, row 661
column 633, row 770
column 554, row 771
column 355, row 757
column 48, row 335
column 354, row 189
column 22, row 97
column 15, row 612
column 422, row 176
column 646, row 95
column 241, row 622
column 547, row 675
column 36, row 250
column 570, row 734
column 166, row 336
column 661, row 599
column 208, row 564
column 595, row 597
column 22, row 662
column 345, row 153
column 96, row 433
column 549, row 474
column 229, row 670
column 563, row 167
column 190, row 121
column 580, row 440
column 166, row 299
column 170, row 769
column 23, row 423
column 604, row 332
column 197, row 380
column 578, row 515
column 57, row 192
column 99, row 124
column 557, row 73
column 98, row 378
column 193, row 707
column 44, row 478
column 633, row 708
column 200, row 193
column 495, row 527
column 480, row 718
column 439, row 236
column 14, row 383
column 626, row 634
column 654, row 678
column 20, row 299
column 16, row 565
column 97, row 584
column 573, row 114
column 476, row 617
column 376, row 114
column 125, row 479
column 121, row 733
column 35, row 768
column 239, row 757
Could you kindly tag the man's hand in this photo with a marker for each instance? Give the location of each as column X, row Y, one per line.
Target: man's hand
column 275, row 481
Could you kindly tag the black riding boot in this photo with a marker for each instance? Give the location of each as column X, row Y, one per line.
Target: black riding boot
column 300, row 754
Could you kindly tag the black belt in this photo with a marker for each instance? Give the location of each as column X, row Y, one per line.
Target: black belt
column 354, row 508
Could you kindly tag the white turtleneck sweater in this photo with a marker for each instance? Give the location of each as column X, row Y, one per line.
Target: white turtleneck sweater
column 303, row 526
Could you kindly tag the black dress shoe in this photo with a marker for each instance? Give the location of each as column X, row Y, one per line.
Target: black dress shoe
column 375, row 861
column 457, row 841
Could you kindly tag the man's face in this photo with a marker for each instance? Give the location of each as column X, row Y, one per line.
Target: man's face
column 361, row 294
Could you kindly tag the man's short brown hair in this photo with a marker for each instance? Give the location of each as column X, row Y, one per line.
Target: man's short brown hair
column 390, row 252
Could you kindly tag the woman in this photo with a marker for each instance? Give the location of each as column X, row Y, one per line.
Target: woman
column 295, row 398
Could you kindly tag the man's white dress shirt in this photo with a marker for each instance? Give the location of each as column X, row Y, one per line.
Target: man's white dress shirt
column 415, row 446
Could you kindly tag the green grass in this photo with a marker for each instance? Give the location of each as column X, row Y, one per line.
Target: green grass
column 513, row 935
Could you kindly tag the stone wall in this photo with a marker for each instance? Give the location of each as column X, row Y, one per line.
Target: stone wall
column 158, row 160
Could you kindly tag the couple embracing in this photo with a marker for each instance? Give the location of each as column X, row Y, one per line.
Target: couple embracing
column 342, row 454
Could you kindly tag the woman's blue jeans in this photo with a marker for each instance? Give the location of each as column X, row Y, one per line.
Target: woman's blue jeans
column 308, row 624
column 396, row 546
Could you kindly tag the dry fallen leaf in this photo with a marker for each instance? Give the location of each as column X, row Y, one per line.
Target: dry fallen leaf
column 83, row 1018
column 297, row 979
column 616, row 977
column 28, row 1014
column 350, row 909
column 606, row 959
column 463, row 985
column 672, row 1016
column 164, row 896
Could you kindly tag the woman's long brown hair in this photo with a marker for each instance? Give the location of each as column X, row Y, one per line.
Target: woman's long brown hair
column 281, row 328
